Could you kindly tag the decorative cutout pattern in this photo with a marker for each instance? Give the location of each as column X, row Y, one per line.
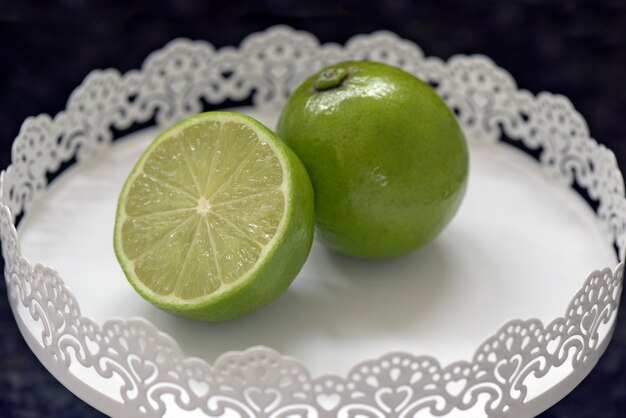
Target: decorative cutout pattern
column 148, row 367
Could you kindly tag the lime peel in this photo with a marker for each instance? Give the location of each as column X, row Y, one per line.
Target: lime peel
column 387, row 158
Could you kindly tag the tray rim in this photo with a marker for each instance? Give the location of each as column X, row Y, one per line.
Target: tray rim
column 360, row 44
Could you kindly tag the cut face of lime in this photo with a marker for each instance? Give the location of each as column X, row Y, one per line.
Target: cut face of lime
column 206, row 211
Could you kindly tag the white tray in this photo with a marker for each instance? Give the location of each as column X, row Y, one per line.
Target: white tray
column 434, row 332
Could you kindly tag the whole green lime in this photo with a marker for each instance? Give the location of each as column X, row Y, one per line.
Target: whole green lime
column 386, row 156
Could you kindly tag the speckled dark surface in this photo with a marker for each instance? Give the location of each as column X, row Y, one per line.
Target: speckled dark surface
column 570, row 47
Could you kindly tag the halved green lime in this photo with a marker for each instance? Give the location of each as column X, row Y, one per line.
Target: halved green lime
column 216, row 218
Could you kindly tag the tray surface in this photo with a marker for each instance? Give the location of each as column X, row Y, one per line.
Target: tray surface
column 519, row 248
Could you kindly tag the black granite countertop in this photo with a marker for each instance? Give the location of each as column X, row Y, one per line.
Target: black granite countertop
column 575, row 48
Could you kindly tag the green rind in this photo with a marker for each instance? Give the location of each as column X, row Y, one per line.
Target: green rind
column 341, row 142
column 279, row 267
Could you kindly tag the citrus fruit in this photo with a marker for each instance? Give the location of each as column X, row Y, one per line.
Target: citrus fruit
column 216, row 218
column 387, row 158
